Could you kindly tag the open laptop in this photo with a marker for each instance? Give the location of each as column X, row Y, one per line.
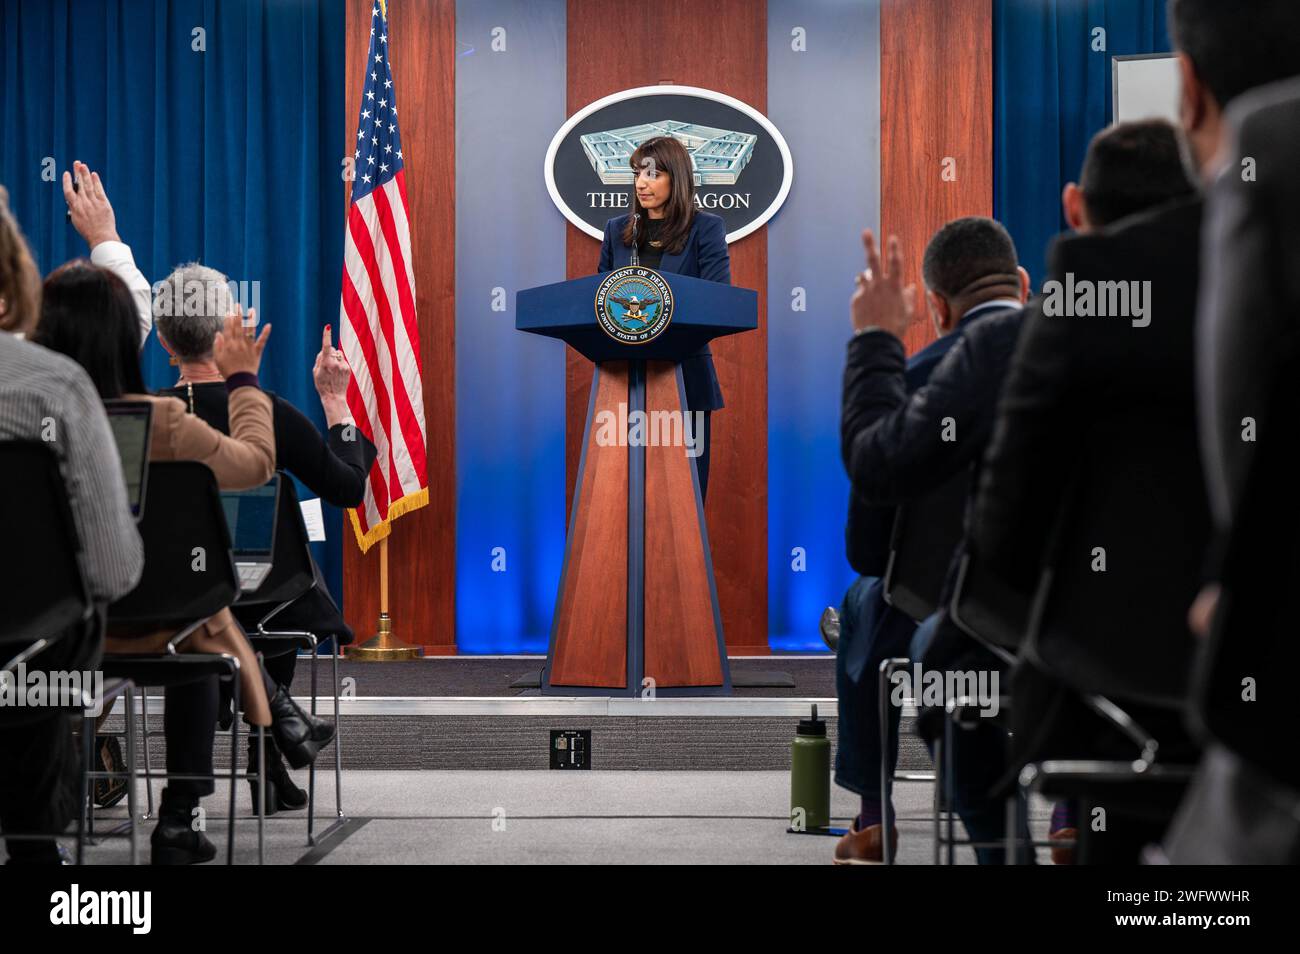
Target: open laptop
column 132, row 426
column 250, row 515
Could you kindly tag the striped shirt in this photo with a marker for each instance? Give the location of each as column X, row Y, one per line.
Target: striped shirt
column 47, row 396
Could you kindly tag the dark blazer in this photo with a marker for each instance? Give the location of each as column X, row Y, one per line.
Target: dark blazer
column 878, row 383
column 1096, row 432
column 892, row 440
column 332, row 468
column 1249, row 362
column 705, row 256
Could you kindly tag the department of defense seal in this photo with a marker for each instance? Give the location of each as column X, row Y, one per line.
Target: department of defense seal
column 634, row 304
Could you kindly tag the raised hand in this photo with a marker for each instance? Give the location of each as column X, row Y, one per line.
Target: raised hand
column 880, row 300
column 234, row 349
column 92, row 213
column 331, row 375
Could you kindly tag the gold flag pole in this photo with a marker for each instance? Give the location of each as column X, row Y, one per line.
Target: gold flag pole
column 384, row 646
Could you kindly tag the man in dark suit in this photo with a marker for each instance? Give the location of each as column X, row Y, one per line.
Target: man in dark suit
column 1245, row 804
column 1093, row 473
column 963, row 253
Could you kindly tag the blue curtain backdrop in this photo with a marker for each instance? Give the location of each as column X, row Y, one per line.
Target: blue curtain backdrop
column 1052, row 92
column 228, row 156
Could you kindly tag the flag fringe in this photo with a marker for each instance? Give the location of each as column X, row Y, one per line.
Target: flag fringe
column 412, row 501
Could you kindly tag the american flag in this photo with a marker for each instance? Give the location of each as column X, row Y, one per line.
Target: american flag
column 377, row 326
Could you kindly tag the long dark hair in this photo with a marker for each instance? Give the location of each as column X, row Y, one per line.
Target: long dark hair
column 88, row 314
column 666, row 155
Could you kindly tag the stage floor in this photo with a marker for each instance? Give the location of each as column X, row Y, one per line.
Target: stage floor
column 440, row 676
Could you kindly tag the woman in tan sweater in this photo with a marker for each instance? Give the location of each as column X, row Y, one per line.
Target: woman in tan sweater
column 87, row 314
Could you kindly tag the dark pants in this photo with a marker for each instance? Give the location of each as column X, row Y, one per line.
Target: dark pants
column 979, row 762
column 39, row 760
column 870, row 632
column 190, row 723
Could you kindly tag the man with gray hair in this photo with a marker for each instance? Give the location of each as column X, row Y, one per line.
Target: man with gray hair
column 188, row 308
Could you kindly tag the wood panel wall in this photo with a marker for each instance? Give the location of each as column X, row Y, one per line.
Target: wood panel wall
column 422, row 547
column 721, row 45
column 936, row 102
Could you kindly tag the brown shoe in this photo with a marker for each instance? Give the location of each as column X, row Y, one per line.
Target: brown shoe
column 865, row 847
column 1063, row 854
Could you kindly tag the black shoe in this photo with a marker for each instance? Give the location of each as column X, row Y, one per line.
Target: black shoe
column 299, row 735
column 174, row 841
column 282, row 792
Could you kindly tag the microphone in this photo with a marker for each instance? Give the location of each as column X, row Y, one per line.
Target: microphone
column 636, row 220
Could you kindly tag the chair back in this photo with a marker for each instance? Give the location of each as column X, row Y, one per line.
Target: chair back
column 189, row 572
column 926, row 533
column 291, row 573
column 42, row 588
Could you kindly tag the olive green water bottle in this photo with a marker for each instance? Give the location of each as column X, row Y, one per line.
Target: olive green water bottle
column 810, row 776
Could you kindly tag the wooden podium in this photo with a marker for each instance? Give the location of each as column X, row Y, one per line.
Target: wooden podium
column 637, row 608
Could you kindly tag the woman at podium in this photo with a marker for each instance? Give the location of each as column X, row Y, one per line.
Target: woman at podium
column 665, row 232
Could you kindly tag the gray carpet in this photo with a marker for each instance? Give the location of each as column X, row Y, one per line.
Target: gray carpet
column 558, row 818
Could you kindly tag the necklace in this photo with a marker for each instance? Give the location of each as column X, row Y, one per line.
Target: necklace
column 189, row 388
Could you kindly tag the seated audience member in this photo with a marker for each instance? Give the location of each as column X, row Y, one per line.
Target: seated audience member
column 1245, row 802
column 1095, row 450
column 972, row 278
column 333, row 467
column 38, row 760
column 872, row 630
column 87, row 314
column 899, row 450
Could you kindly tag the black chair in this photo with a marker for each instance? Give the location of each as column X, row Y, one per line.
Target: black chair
column 1006, row 623
column 189, row 577
column 292, row 577
column 925, row 535
column 46, row 600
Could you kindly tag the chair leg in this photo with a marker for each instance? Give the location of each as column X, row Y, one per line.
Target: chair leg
column 148, row 769
column 938, row 788
column 948, row 787
column 882, row 707
column 338, row 737
column 261, row 794
column 1013, row 830
column 234, row 764
column 132, row 775
column 88, row 753
column 311, row 769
